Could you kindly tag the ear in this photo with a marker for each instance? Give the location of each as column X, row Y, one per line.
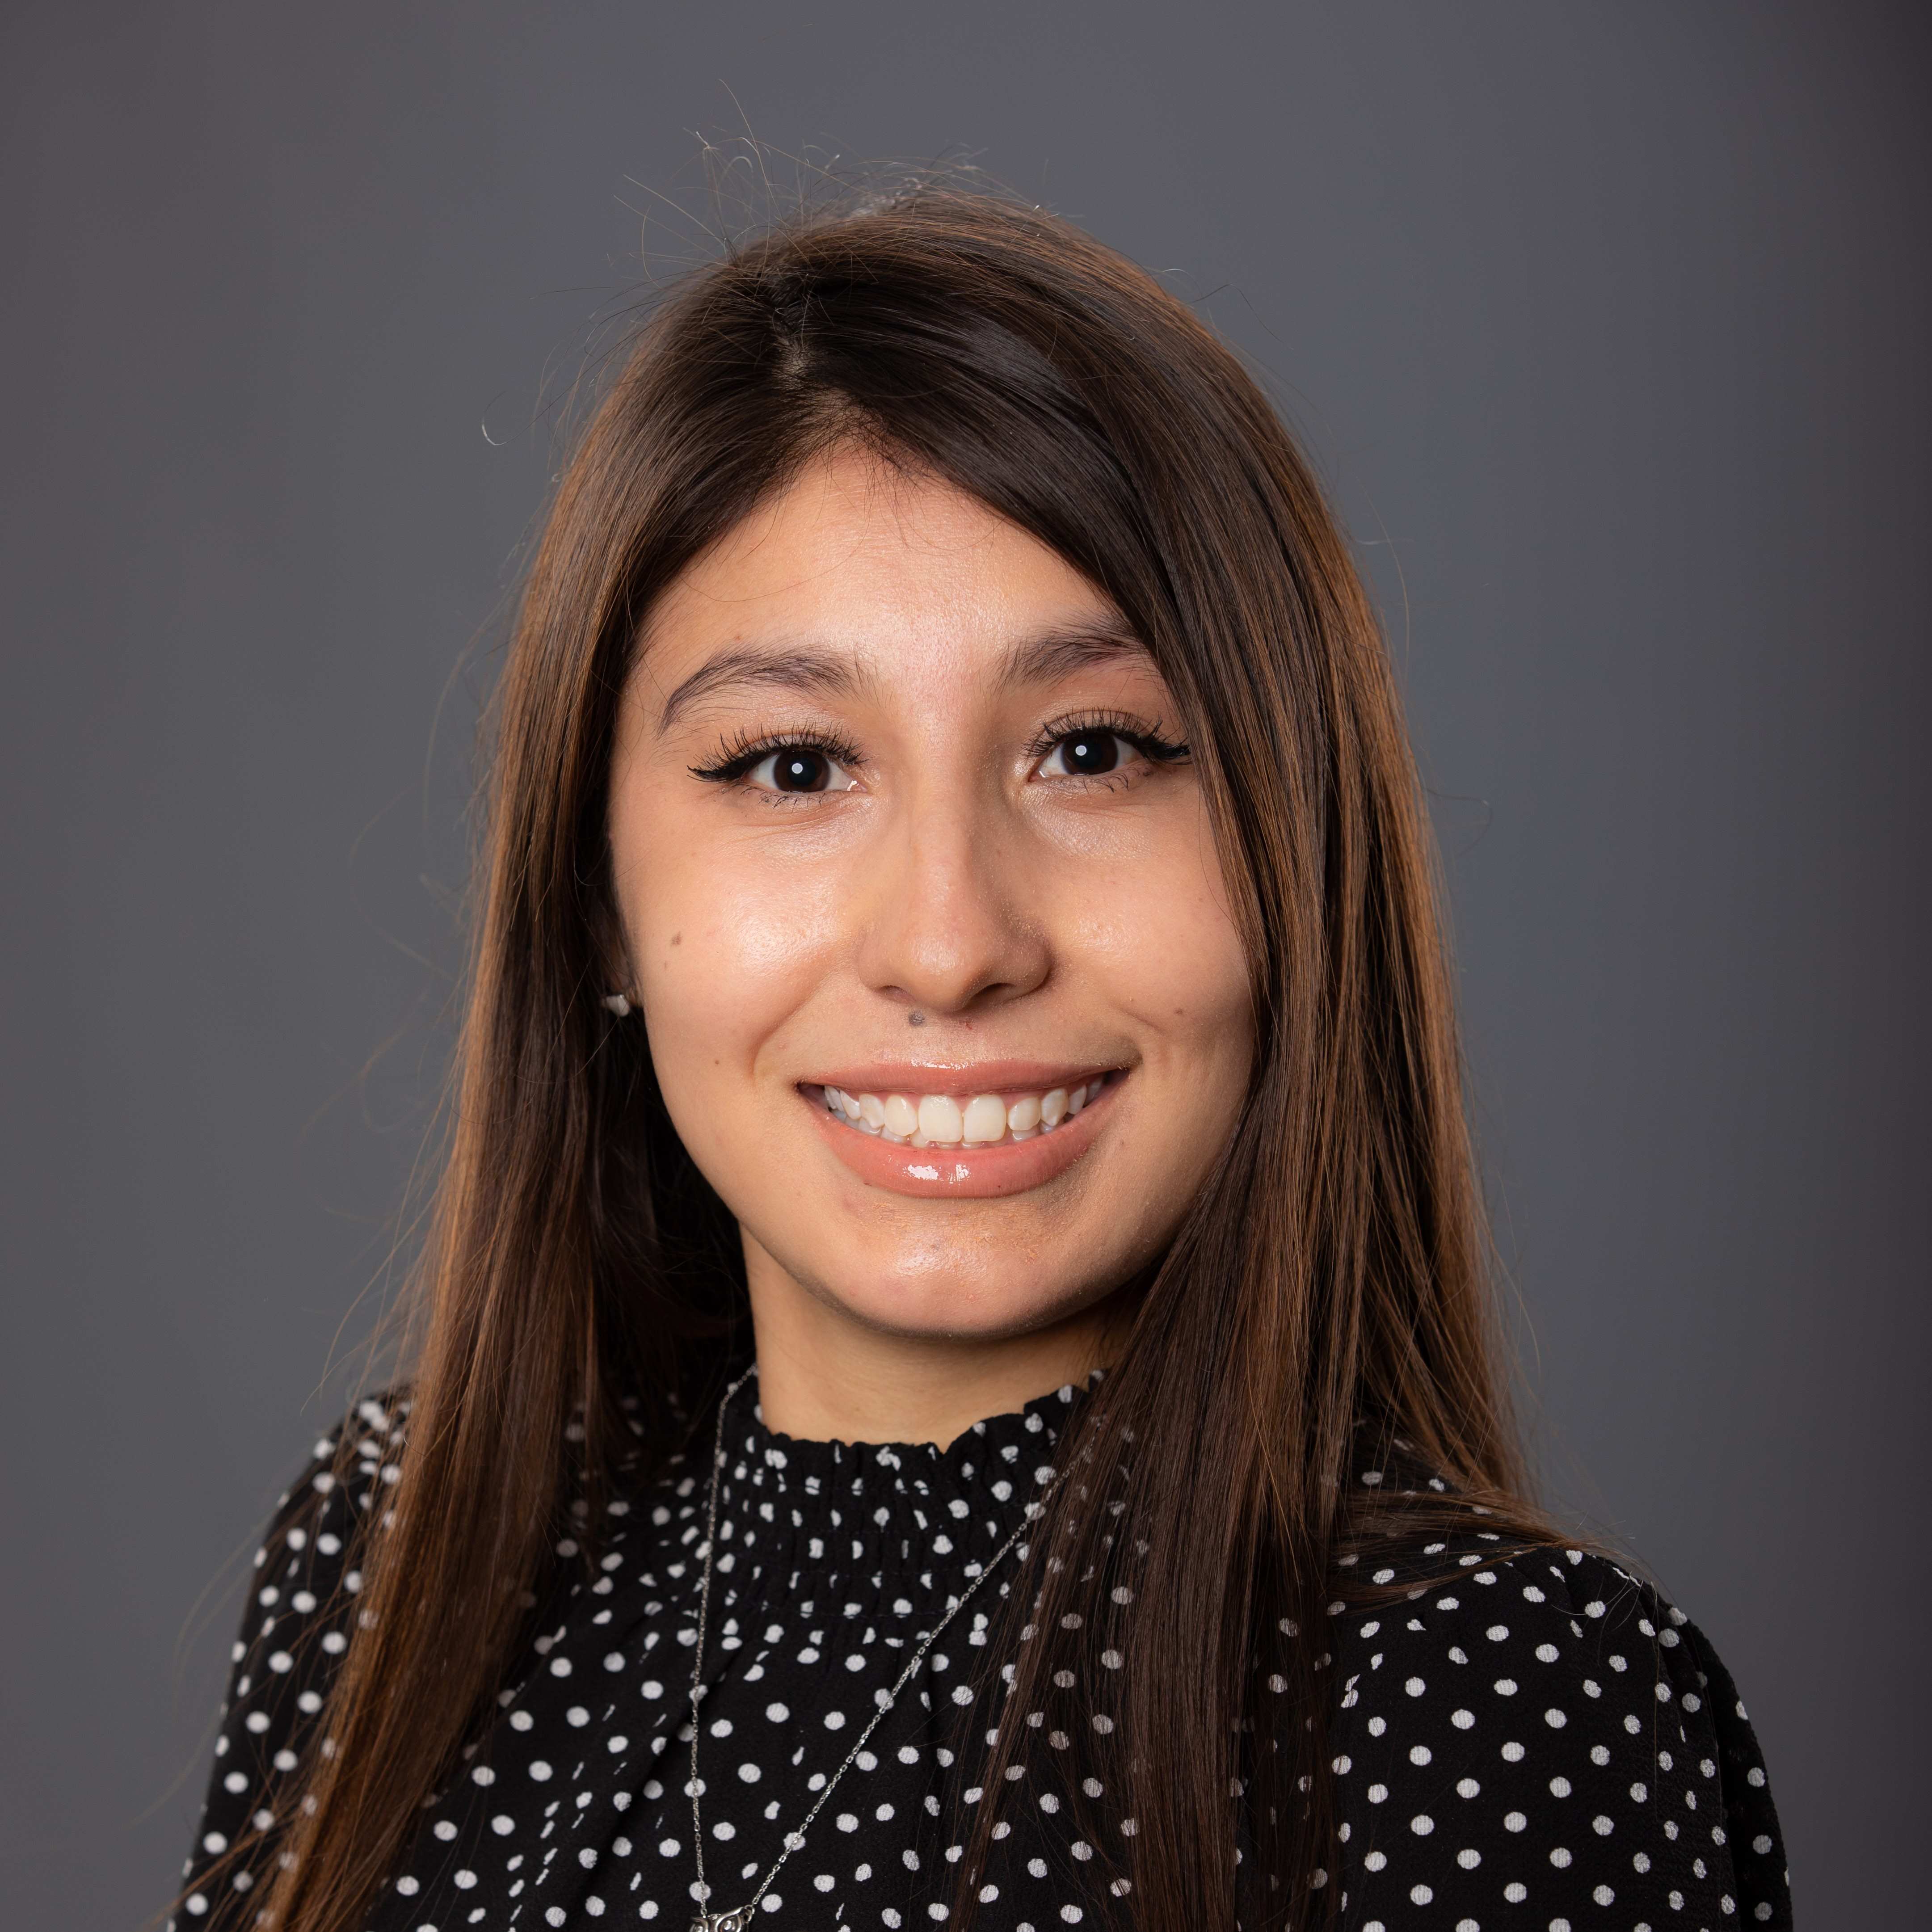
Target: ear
column 612, row 956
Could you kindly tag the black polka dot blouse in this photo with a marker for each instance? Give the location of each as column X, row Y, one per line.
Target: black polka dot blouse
column 1540, row 1744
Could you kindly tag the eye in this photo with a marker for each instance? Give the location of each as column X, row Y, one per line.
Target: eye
column 1098, row 747
column 783, row 766
column 798, row 768
column 1088, row 754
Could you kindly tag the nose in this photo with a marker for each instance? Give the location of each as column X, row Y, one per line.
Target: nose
column 952, row 926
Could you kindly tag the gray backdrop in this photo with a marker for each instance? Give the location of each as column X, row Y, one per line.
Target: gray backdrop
column 1608, row 325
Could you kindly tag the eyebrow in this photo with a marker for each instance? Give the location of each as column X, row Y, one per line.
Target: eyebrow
column 819, row 672
column 1066, row 649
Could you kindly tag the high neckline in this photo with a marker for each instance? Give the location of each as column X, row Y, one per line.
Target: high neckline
column 890, row 1505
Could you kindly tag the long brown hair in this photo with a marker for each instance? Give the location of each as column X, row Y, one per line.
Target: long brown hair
column 1332, row 1276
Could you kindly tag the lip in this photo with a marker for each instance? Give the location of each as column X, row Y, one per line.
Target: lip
column 964, row 1173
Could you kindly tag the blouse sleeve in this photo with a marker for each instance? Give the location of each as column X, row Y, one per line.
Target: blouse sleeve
column 294, row 1631
column 1545, row 1742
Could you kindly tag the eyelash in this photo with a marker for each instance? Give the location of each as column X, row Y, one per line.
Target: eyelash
column 745, row 749
column 1151, row 745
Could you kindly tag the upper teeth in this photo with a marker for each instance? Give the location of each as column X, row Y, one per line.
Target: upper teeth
column 938, row 1120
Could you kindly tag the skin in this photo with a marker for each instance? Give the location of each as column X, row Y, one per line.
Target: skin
column 953, row 896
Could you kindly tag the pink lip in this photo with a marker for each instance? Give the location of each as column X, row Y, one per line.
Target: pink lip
column 963, row 1173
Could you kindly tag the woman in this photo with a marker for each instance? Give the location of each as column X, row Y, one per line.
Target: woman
column 959, row 1263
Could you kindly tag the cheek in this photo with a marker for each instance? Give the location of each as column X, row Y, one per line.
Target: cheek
column 1161, row 939
column 723, row 952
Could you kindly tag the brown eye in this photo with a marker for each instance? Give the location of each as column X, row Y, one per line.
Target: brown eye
column 1086, row 754
column 800, row 771
column 796, row 769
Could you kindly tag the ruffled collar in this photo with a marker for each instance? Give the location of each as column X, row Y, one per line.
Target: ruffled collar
column 891, row 1505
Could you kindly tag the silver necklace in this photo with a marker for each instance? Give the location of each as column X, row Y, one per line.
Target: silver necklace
column 740, row 1917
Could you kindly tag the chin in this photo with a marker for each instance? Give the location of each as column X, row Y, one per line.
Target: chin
column 955, row 1304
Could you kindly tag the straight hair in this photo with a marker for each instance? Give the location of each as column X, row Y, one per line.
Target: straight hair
column 1328, row 1294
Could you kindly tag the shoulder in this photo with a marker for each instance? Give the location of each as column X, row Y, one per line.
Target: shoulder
column 306, row 1573
column 305, row 1564
column 1538, row 1640
column 295, row 1629
column 1476, row 1599
column 1543, row 1726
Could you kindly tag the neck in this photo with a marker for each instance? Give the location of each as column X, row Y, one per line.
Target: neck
column 824, row 1377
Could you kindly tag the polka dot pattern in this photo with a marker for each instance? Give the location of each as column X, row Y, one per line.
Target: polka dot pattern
column 1614, row 1783
column 1543, row 1742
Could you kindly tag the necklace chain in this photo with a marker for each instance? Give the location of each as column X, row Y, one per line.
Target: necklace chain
column 737, row 1921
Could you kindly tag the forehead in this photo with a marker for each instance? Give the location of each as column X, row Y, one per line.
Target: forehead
column 896, row 572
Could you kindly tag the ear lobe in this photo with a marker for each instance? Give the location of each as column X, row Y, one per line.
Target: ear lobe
column 612, row 957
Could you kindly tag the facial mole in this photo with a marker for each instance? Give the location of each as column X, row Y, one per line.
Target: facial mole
column 677, row 939
column 915, row 1019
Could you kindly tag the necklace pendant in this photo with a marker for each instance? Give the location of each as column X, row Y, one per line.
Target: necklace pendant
column 722, row 1922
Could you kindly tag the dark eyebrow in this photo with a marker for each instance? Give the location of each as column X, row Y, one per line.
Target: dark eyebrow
column 1059, row 653
column 796, row 669
column 1053, row 654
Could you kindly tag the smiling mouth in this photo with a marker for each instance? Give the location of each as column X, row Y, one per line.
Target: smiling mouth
column 976, row 1121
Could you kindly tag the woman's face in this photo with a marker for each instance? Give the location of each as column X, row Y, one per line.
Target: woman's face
column 923, row 912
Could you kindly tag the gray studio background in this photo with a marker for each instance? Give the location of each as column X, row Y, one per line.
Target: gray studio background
column 1608, row 325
